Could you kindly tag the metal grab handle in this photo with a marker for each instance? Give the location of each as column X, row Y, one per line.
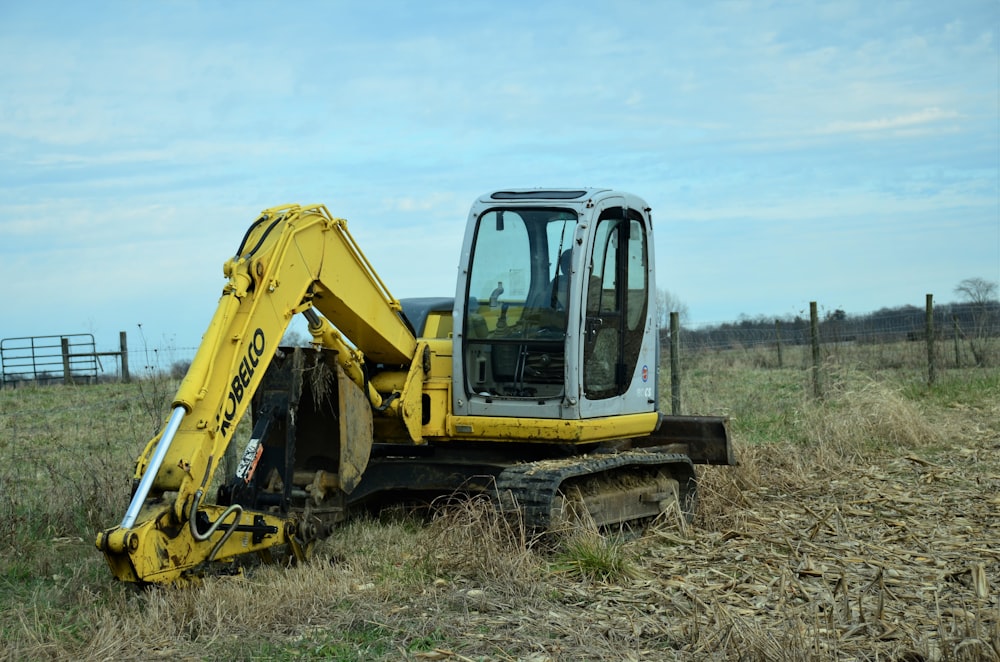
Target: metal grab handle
column 146, row 483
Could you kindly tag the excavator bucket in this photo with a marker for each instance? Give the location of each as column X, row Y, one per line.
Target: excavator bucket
column 328, row 420
column 355, row 414
column 314, row 427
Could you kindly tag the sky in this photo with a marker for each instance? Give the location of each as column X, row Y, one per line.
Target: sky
column 844, row 152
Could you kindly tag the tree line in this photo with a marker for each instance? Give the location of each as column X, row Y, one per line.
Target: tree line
column 884, row 325
column 975, row 321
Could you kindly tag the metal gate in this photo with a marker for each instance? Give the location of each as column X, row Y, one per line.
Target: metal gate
column 44, row 359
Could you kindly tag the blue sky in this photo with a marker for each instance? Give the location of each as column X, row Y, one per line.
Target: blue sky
column 844, row 152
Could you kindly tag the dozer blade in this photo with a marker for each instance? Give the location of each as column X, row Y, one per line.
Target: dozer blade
column 704, row 439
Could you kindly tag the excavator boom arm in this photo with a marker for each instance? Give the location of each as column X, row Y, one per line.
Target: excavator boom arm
column 292, row 259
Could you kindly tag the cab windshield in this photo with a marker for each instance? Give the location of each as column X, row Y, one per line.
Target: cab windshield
column 518, row 298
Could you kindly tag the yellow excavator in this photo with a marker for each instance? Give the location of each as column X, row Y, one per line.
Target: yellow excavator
column 537, row 383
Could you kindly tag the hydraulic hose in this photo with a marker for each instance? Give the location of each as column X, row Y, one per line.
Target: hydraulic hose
column 202, row 537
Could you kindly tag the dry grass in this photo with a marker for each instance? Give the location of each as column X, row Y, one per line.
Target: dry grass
column 864, row 526
column 474, row 542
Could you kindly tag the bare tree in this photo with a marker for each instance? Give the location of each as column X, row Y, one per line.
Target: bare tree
column 981, row 295
column 977, row 291
column 293, row 338
column 667, row 303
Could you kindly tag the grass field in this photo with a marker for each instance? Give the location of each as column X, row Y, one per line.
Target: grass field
column 861, row 526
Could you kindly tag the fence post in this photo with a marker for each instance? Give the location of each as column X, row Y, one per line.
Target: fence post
column 958, row 352
column 675, row 364
column 67, row 375
column 930, row 340
column 123, row 343
column 814, row 334
column 777, row 335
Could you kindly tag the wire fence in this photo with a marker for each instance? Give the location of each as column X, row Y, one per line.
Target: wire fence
column 885, row 329
column 950, row 335
column 959, row 335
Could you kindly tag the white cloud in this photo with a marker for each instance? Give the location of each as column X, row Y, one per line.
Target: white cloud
column 921, row 118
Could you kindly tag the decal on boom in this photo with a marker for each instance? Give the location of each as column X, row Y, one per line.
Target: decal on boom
column 241, row 379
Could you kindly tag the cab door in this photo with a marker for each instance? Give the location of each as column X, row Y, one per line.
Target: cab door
column 619, row 350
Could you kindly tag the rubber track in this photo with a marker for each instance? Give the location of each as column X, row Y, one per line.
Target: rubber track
column 534, row 485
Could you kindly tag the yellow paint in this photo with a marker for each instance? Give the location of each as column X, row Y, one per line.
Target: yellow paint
column 552, row 430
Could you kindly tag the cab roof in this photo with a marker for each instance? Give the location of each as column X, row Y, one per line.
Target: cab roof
column 539, row 194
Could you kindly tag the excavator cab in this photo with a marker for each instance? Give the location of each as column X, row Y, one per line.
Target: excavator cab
column 554, row 307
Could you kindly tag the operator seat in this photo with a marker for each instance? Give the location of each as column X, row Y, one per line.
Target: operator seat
column 556, row 295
